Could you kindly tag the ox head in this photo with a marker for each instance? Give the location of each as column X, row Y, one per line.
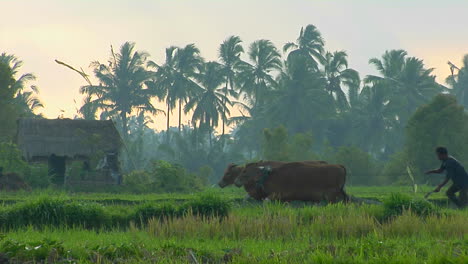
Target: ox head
column 250, row 172
column 230, row 174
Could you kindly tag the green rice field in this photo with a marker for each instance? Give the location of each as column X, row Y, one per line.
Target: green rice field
column 220, row 226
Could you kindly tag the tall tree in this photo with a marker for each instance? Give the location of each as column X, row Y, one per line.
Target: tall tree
column 309, row 44
column 122, row 87
column 189, row 64
column 424, row 131
column 8, row 112
column 175, row 78
column 256, row 78
column 229, row 55
column 409, row 83
column 299, row 101
column 25, row 97
column 164, row 83
column 28, row 103
column 209, row 104
column 458, row 81
column 372, row 120
column 338, row 76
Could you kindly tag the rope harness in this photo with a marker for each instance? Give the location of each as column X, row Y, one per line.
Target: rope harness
column 266, row 171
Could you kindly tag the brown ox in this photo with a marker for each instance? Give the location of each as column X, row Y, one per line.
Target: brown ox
column 295, row 181
column 233, row 171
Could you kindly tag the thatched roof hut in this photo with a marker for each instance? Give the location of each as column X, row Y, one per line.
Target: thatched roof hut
column 38, row 139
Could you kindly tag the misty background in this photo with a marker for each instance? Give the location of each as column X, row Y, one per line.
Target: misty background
column 81, row 32
column 359, row 83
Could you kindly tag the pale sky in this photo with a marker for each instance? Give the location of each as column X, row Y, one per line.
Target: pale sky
column 79, row 32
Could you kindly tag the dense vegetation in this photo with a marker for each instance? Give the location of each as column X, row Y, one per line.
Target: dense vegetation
column 257, row 101
column 220, row 228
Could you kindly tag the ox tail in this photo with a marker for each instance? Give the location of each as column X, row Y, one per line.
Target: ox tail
column 345, row 196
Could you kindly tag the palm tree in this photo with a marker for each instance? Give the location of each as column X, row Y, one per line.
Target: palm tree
column 89, row 109
column 229, row 55
column 337, row 75
column 6, row 82
column 25, row 99
column 299, row 101
column 122, row 87
column 390, row 66
column 459, row 81
column 404, row 84
column 255, row 79
column 164, row 82
column 309, row 44
column 209, row 104
column 174, row 79
column 28, row 103
column 373, row 119
column 408, row 82
column 188, row 65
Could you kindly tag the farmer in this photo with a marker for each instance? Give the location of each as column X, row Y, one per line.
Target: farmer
column 455, row 172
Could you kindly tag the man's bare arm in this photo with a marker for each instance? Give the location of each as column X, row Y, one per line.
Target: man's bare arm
column 435, row 171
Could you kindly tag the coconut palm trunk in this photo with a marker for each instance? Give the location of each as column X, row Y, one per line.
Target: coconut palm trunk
column 180, row 115
column 168, row 119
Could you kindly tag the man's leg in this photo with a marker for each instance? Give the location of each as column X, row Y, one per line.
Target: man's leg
column 463, row 197
column 451, row 194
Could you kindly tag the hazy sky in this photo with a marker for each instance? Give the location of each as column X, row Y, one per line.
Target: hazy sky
column 79, row 32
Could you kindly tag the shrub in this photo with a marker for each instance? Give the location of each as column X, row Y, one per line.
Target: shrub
column 11, row 159
column 169, row 177
column 163, row 176
column 208, row 204
column 137, row 181
column 45, row 211
column 396, row 204
column 54, row 212
column 205, row 205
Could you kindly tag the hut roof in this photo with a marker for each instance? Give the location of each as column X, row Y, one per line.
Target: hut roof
column 40, row 138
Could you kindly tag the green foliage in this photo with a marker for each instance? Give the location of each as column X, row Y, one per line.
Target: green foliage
column 137, row 181
column 163, row 176
column 120, row 251
column 11, row 159
column 458, row 80
column 208, row 204
column 16, row 100
column 38, row 176
column 45, row 250
column 204, row 205
column 123, row 85
column 161, row 211
column 54, row 212
column 278, row 145
column 65, row 213
column 275, row 144
column 394, row 171
column 397, row 204
column 251, row 233
column 173, row 178
column 361, row 168
column 8, row 117
column 442, row 122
